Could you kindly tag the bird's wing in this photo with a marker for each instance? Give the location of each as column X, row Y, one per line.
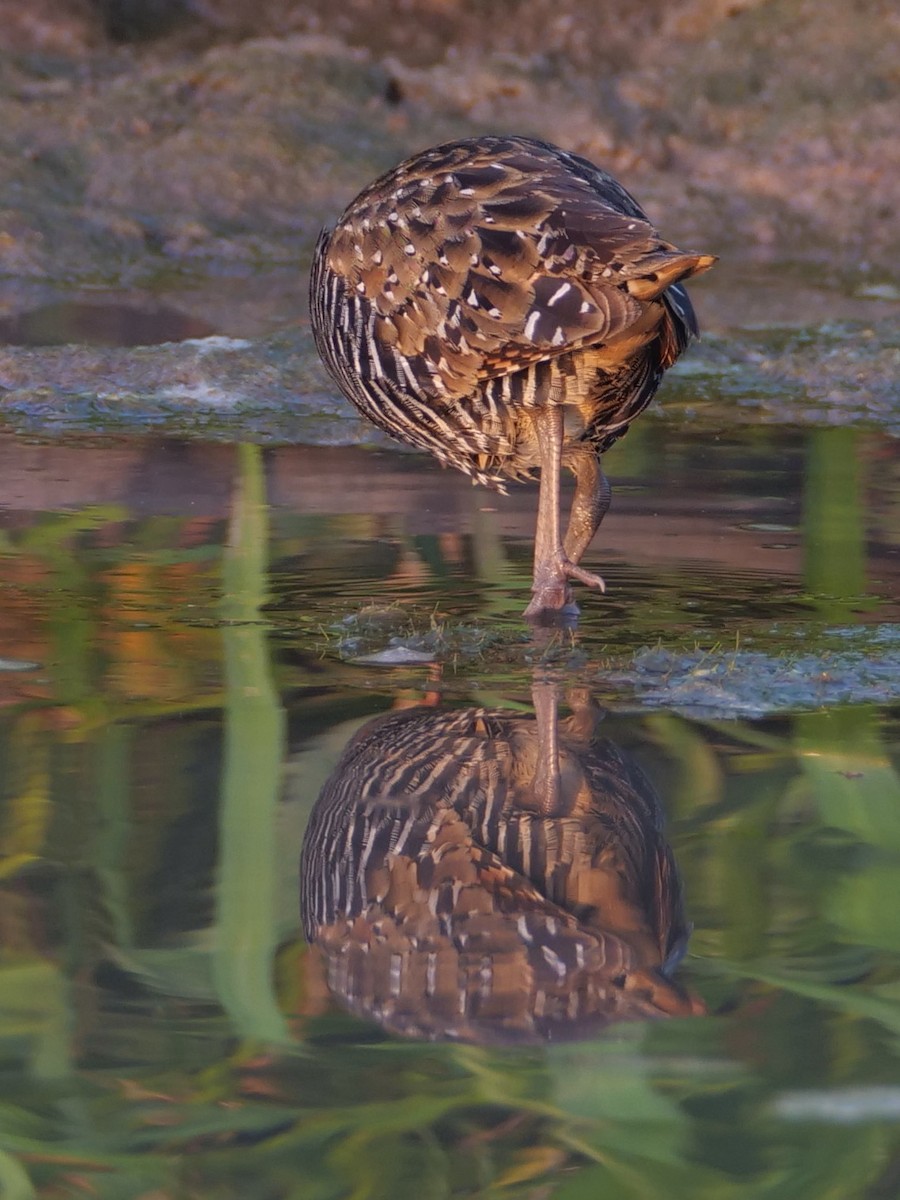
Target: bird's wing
column 491, row 263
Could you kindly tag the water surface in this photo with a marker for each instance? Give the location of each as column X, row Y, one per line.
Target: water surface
column 191, row 633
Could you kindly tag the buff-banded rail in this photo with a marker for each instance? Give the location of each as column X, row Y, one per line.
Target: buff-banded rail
column 506, row 306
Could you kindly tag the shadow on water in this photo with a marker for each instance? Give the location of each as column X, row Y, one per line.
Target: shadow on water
column 195, row 637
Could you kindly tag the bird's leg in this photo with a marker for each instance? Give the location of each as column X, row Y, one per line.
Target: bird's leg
column 590, row 502
column 548, row 586
column 546, row 784
column 551, row 566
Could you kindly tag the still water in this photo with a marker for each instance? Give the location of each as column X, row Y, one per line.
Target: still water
column 667, row 964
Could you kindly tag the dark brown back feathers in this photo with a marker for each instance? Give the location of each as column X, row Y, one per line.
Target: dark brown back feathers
column 489, row 275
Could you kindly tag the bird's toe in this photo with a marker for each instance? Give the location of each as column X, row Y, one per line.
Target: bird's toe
column 551, row 595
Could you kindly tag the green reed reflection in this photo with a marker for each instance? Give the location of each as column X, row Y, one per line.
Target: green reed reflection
column 834, row 525
column 247, row 918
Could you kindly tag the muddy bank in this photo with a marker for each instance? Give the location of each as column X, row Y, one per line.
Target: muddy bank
column 759, row 130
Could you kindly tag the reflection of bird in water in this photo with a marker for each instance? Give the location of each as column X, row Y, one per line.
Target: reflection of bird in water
column 488, row 876
column 506, row 306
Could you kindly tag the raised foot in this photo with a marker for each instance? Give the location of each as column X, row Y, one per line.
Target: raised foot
column 550, row 592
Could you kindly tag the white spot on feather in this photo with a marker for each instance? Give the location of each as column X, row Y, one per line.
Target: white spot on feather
column 562, row 290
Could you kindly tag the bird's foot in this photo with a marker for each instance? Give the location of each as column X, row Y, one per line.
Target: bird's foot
column 551, row 595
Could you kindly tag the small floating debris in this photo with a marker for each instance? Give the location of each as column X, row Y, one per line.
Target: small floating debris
column 16, row 664
column 399, row 635
column 395, row 656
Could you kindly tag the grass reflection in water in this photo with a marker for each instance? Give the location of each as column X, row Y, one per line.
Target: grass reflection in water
column 162, row 1028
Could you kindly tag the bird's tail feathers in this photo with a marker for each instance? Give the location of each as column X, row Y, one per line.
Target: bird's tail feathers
column 660, row 270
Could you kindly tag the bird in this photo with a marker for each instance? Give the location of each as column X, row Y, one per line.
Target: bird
column 507, row 306
column 487, row 875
